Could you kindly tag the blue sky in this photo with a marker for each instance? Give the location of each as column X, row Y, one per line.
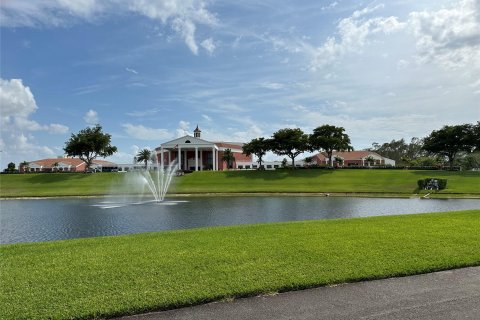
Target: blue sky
column 150, row 71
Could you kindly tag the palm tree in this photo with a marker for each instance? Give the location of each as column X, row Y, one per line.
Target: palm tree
column 144, row 155
column 25, row 165
column 370, row 160
column 339, row 161
column 228, row 157
column 308, row 161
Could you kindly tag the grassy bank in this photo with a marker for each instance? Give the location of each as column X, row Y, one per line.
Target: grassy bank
column 400, row 182
column 111, row 276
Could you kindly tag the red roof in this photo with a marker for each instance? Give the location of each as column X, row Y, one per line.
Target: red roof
column 75, row 162
column 232, row 145
column 348, row 155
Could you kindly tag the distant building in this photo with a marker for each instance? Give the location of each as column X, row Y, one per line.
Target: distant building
column 354, row 159
column 196, row 154
column 63, row 165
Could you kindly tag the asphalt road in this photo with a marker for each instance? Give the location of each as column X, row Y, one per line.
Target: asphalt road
column 453, row 294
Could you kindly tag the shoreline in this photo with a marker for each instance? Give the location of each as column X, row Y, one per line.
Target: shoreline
column 267, row 194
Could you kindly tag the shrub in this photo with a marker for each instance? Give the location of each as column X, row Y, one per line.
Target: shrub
column 432, row 184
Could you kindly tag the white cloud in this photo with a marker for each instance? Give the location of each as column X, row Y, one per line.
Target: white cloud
column 183, row 129
column 330, row 6
column 186, row 28
column 402, row 64
column 131, row 70
column 91, row 117
column 206, row 117
column 17, row 105
column 450, row 36
column 17, row 99
column 182, row 15
column 57, row 128
column 272, row 85
column 209, row 45
column 145, row 133
column 354, row 33
column 24, row 13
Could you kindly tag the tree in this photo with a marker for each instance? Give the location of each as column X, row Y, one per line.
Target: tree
column 228, row 157
column 11, row 167
column 308, row 161
column 330, row 138
column 450, row 140
column 55, row 166
column 475, row 138
column 290, row 142
column 399, row 150
column 470, row 161
column 144, row 155
column 258, row 147
column 88, row 144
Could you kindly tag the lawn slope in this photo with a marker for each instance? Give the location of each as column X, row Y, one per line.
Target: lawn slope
column 112, row 276
column 388, row 182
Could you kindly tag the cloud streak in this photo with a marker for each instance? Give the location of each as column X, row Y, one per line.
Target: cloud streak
column 181, row 15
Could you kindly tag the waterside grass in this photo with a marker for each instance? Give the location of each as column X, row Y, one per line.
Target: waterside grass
column 371, row 182
column 113, row 276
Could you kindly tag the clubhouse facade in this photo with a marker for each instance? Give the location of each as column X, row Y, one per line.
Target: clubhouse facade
column 196, row 154
column 192, row 153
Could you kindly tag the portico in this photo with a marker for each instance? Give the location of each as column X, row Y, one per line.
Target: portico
column 190, row 153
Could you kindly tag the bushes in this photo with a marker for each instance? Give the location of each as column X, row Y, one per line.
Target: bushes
column 432, row 184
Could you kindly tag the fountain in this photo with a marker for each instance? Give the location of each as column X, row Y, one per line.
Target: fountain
column 138, row 184
column 163, row 177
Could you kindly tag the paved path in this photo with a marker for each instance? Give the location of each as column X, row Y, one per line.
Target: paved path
column 445, row 295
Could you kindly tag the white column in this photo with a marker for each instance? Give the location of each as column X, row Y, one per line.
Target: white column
column 213, row 159
column 179, row 158
column 161, row 158
column 201, row 160
column 196, row 158
column 185, row 160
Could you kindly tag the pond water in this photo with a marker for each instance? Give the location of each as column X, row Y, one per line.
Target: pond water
column 54, row 219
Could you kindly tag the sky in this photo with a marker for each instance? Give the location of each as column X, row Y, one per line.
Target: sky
column 149, row 71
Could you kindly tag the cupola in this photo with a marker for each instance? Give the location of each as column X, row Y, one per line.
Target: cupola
column 196, row 132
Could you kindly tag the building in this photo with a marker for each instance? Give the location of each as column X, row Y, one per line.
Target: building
column 354, row 158
column 196, row 154
column 62, row 165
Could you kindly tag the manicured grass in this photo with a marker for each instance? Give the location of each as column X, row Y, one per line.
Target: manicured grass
column 400, row 182
column 333, row 181
column 58, row 184
column 111, row 276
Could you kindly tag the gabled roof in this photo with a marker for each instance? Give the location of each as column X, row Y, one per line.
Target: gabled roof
column 234, row 146
column 64, row 162
column 349, row 155
column 49, row 163
column 185, row 142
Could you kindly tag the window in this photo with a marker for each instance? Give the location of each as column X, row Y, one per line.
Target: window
column 188, row 141
column 275, row 166
column 240, row 167
column 269, row 166
column 247, row 167
column 254, row 166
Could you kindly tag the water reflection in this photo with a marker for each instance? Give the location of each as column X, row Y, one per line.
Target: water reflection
column 52, row 219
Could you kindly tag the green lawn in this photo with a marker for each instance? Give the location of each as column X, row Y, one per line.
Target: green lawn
column 341, row 181
column 400, row 182
column 111, row 276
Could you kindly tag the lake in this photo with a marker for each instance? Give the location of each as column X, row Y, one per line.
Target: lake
column 53, row 219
